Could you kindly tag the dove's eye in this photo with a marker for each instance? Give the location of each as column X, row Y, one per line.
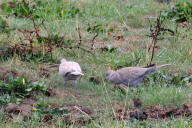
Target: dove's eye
column 107, row 74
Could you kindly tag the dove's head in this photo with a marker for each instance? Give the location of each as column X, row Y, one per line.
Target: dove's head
column 63, row 60
column 108, row 74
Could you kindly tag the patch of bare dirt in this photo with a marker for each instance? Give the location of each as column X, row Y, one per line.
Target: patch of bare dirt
column 5, row 72
column 116, row 36
column 51, row 92
column 44, row 73
column 27, row 104
column 46, row 118
column 56, row 91
column 59, row 92
column 134, row 38
column 150, row 15
column 119, row 40
column 185, row 24
column 78, row 115
column 151, row 46
column 80, row 109
column 189, row 73
column 24, row 108
column 153, row 112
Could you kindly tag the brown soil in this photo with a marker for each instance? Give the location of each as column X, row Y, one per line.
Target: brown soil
column 44, row 73
column 137, row 102
column 59, row 92
column 5, row 72
column 185, row 24
column 24, row 108
column 78, row 115
column 116, row 36
column 153, row 112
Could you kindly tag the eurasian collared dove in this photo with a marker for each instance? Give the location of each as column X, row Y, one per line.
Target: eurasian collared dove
column 130, row 76
column 70, row 70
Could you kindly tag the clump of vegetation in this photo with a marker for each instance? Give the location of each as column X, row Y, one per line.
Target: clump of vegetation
column 13, row 90
column 181, row 12
column 26, row 53
column 31, row 46
column 168, row 80
column 41, row 108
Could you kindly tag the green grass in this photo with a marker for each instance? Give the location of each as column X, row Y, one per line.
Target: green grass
column 123, row 17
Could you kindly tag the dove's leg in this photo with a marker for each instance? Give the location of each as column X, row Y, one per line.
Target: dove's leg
column 75, row 83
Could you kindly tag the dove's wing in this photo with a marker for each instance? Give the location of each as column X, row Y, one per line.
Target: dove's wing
column 132, row 75
column 69, row 68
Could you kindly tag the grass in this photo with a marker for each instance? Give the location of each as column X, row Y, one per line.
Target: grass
column 124, row 17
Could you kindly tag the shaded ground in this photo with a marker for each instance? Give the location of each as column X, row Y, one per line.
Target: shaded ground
column 154, row 112
column 24, row 108
column 74, row 113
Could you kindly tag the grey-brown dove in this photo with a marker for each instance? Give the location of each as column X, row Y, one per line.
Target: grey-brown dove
column 130, row 76
column 70, row 70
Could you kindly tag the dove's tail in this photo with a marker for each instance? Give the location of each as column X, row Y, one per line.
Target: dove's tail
column 77, row 73
column 160, row 66
column 154, row 68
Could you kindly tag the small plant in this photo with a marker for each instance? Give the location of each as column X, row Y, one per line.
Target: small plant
column 181, row 12
column 26, row 53
column 20, row 9
column 4, row 28
column 70, row 13
column 109, row 48
column 25, row 48
column 3, row 24
column 156, row 30
column 41, row 108
column 18, row 88
column 176, row 79
column 96, row 29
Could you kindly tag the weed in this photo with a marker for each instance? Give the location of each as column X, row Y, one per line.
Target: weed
column 18, row 88
column 181, row 12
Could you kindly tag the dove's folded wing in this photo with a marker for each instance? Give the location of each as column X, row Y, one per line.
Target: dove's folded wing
column 129, row 75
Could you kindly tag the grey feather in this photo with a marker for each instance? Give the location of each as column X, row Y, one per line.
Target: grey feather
column 130, row 76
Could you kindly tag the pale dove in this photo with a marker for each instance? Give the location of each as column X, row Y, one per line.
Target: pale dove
column 130, row 76
column 70, row 70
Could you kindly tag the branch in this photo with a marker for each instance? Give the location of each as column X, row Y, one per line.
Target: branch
column 92, row 45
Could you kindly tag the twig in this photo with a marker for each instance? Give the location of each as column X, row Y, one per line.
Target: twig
column 71, row 47
column 35, row 26
column 93, row 41
column 82, row 112
column 44, row 25
column 79, row 34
